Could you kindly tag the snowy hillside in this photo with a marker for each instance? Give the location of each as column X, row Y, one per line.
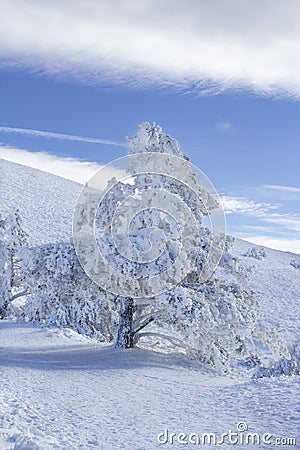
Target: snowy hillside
column 277, row 283
column 46, row 201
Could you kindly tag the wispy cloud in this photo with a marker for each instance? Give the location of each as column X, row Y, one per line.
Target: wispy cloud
column 51, row 135
column 204, row 46
column 224, row 125
column 242, row 205
column 287, row 189
column 289, row 222
column 262, row 223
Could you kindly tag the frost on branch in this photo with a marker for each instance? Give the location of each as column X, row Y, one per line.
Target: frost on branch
column 213, row 321
column 150, row 138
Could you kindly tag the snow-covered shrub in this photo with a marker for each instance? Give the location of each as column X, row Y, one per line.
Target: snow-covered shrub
column 286, row 365
column 232, row 265
column 295, row 264
column 254, row 252
column 272, row 353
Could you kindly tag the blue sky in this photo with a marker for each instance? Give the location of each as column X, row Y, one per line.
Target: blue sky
column 228, row 93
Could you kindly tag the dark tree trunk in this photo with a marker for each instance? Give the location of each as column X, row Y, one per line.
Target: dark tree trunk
column 125, row 331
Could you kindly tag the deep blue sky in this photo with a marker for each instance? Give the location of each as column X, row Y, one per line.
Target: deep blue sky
column 260, row 145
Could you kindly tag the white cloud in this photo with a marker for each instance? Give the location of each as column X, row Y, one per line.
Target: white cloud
column 241, row 205
column 69, row 168
column 286, row 245
column 262, row 223
column 210, row 46
column 51, row 135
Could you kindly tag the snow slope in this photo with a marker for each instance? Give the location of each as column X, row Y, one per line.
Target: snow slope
column 62, row 391
column 46, row 201
column 277, row 283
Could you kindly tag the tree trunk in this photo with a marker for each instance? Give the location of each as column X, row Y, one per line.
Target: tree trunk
column 125, row 331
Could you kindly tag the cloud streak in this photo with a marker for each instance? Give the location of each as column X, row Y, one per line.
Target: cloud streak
column 287, row 189
column 73, row 169
column 194, row 45
column 289, row 222
column 263, row 223
column 51, row 135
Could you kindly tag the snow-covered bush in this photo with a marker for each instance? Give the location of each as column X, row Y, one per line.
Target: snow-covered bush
column 295, row 264
column 254, row 252
column 286, row 365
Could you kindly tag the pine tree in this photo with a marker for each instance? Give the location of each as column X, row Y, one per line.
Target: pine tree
column 211, row 321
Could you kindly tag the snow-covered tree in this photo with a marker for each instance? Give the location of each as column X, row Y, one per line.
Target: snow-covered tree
column 210, row 320
column 13, row 243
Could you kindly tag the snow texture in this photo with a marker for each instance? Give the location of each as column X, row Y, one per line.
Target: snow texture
column 60, row 390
